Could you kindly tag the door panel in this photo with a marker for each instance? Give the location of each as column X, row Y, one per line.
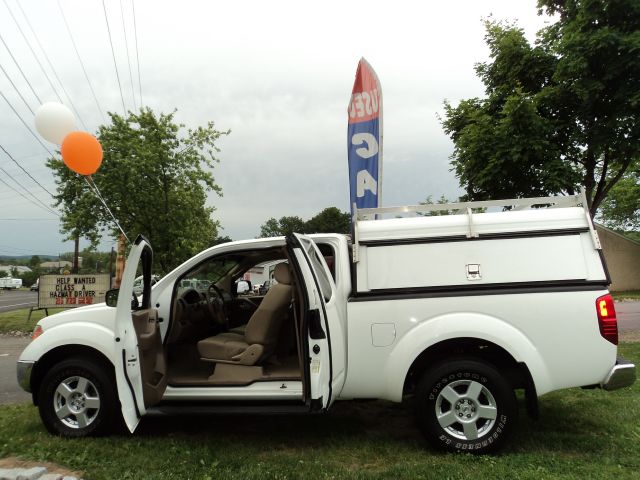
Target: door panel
column 153, row 364
column 315, row 336
column 138, row 354
column 320, row 292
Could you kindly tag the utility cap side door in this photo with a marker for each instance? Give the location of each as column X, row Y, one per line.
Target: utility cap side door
column 315, row 325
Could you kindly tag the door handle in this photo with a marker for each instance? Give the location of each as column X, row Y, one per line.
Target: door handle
column 315, row 327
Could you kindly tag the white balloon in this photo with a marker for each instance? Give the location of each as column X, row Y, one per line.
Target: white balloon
column 54, row 121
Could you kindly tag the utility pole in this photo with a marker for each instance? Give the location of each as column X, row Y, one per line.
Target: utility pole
column 120, row 261
column 111, row 268
column 76, row 247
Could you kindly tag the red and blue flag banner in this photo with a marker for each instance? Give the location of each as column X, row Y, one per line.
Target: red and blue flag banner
column 365, row 139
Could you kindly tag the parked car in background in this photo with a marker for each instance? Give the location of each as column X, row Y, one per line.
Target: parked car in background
column 9, row 283
column 138, row 283
column 34, row 287
column 264, row 288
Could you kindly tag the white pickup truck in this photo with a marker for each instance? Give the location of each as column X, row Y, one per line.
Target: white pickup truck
column 453, row 313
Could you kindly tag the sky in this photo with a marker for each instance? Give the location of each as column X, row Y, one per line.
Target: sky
column 278, row 74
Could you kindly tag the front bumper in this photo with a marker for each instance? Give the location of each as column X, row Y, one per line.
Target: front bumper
column 24, row 375
column 623, row 374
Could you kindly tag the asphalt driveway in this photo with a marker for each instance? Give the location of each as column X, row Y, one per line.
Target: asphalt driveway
column 16, row 299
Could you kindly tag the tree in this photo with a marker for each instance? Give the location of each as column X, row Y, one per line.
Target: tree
column 621, row 209
column 558, row 116
column 329, row 220
column 284, row 226
column 220, row 240
column 155, row 177
column 35, row 261
column 436, row 213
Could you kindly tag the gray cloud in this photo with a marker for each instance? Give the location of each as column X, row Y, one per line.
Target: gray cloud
column 279, row 75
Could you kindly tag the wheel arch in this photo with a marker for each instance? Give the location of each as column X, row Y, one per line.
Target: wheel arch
column 516, row 373
column 495, row 340
column 63, row 352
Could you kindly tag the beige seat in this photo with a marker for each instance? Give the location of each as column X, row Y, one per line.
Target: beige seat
column 261, row 335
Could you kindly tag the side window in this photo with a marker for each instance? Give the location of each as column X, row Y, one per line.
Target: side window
column 142, row 283
column 329, row 256
column 321, row 270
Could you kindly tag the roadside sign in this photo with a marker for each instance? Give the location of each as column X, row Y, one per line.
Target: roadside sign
column 69, row 291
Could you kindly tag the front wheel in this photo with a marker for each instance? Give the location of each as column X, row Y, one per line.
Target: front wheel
column 77, row 398
column 465, row 405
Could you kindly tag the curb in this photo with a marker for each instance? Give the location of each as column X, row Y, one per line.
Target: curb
column 35, row 473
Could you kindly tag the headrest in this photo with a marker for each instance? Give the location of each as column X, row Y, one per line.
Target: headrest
column 281, row 273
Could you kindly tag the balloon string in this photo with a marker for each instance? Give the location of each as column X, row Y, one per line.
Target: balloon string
column 94, row 188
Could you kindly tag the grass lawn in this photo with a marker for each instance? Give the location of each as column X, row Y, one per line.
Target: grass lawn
column 582, row 434
column 17, row 320
column 628, row 295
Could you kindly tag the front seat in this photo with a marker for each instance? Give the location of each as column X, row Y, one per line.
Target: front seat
column 261, row 335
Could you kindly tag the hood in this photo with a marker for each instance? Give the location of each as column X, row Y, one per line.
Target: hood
column 98, row 313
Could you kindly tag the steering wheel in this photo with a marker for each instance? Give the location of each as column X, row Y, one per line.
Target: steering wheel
column 215, row 302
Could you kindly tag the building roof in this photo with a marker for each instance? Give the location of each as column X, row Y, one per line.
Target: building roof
column 57, row 264
column 20, row 268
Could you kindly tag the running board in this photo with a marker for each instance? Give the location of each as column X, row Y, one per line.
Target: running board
column 191, row 408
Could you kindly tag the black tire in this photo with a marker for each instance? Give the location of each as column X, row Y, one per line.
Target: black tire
column 476, row 405
column 83, row 392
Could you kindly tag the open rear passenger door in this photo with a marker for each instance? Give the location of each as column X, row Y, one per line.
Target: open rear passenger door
column 316, row 338
column 139, row 355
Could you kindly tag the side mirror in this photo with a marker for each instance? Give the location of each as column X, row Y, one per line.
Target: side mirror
column 242, row 286
column 111, row 297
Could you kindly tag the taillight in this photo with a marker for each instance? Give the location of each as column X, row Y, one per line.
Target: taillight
column 607, row 320
column 36, row 332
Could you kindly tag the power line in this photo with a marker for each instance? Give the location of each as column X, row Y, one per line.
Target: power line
column 17, row 65
column 39, row 205
column 80, row 60
column 35, row 35
column 5, row 195
column 40, row 202
column 22, row 168
column 126, row 45
column 27, row 219
column 135, row 33
column 28, row 128
column 18, row 202
column 113, row 53
column 16, row 89
column 15, row 20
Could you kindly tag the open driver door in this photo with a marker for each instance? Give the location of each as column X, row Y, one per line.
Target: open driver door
column 139, row 357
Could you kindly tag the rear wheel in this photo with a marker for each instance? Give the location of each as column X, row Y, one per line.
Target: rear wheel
column 465, row 405
column 77, row 398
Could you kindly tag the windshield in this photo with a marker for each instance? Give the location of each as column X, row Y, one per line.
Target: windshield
column 209, row 272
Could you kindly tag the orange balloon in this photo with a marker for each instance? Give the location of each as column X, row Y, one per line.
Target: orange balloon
column 81, row 152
